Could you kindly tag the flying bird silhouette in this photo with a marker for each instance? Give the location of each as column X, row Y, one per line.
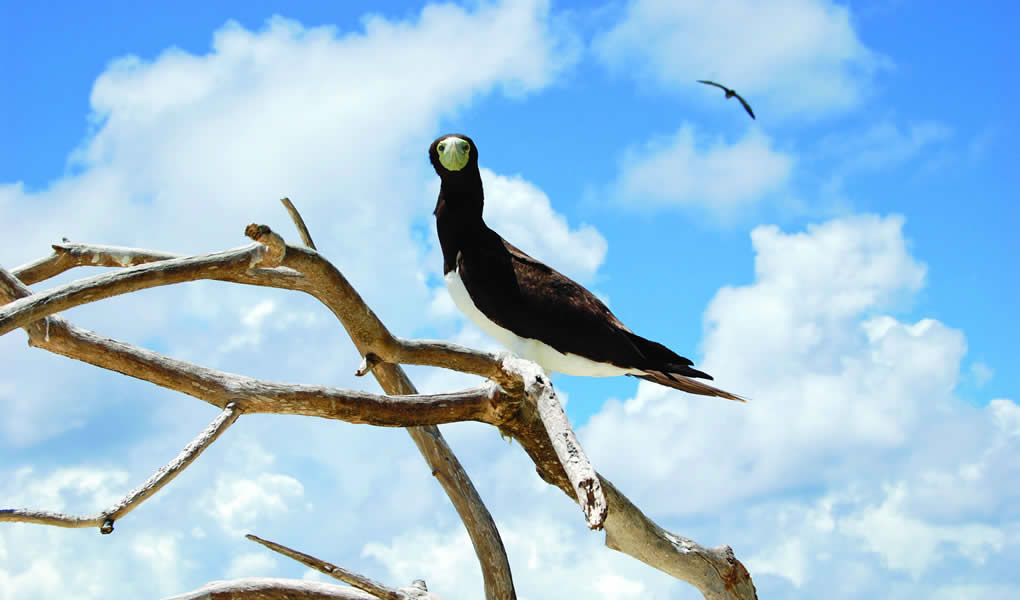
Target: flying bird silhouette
column 730, row 94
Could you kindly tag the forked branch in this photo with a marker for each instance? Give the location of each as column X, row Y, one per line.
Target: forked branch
column 533, row 417
column 105, row 519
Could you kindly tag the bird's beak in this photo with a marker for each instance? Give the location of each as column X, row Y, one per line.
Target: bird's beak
column 454, row 153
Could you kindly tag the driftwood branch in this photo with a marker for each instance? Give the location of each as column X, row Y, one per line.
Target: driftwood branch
column 162, row 370
column 532, row 420
column 165, row 475
column 23, row 311
column 299, row 222
column 350, row 578
column 582, row 476
column 266, row 588
column 341, row 298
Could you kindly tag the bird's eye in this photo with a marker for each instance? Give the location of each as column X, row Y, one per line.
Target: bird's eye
column 463, row 146
column 441, row 147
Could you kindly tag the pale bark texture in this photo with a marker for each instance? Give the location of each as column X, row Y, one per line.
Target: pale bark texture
column 518, row 399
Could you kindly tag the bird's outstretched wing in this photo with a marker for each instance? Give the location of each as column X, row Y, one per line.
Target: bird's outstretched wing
column 746, row 106
column 721, row 87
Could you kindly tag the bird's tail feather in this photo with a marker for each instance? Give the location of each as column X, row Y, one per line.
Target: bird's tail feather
column 686, row 384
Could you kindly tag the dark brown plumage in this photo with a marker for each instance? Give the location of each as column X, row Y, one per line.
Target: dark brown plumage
column 730, row 94
column 529, row 299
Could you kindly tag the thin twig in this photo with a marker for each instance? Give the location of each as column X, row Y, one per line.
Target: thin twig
column 349, row 577
column 165, row 475
column 295, row 216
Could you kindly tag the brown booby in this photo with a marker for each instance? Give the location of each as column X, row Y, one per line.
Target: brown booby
column 532, row 309
column 730, row 94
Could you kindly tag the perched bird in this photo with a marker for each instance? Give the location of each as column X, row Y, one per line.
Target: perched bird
column 532, row 309
column 730, row 94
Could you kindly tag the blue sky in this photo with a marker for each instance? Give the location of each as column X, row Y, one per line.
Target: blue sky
column 846, row 260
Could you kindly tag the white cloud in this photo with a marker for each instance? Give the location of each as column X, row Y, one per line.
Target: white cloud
column 237, row 503
column 544, row 550
column 38, row 561
column 785, row 559
column 846, row 401
column 828, row 378
column 252, row 564
column 908, row 543
column 79, row 490
column 719, row 178
column 882, row 146
column 187, row 149
column 981, row 372
column 785, row 57
column 522, row 214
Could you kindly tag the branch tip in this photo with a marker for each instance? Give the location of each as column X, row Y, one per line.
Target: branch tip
column 298, row 222
column 367, row 364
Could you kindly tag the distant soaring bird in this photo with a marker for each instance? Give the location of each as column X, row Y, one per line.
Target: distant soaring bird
column 529, row 307
column 730, row 94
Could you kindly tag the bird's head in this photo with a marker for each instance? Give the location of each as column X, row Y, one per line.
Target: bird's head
column 453, row 153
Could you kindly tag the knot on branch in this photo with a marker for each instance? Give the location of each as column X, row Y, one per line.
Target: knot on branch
column 276, row 247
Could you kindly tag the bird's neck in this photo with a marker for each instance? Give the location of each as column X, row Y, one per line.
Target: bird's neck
column 459, row 216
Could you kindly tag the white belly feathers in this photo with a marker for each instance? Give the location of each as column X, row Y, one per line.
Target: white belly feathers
column 546, row 356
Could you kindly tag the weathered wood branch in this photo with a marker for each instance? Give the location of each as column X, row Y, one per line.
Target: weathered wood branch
column 397, row 350
column 351, row 578
column 105, row 520
column 714, row 571
column 23, row 311
column 299, row 222
column 582, row 476
column 268, row 588
column 438, row 455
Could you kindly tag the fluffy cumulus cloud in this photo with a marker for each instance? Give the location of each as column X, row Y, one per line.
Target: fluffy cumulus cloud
column 545, row 547
column 786, row 57
column 238, row 502
column 513, row 206
column 47, row 562
column 846, row 399
column 186, row 149
column 688, row 170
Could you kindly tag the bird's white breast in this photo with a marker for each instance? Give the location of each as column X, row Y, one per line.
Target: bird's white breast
column 546, row 356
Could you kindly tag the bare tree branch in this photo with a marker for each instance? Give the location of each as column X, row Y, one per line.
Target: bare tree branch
column 67, row 256
column 582, row 476
column 359, row 581
column 306, row 238
column 25, row 310
column 397, row 350
column 715, row 572
column 165, row 475
column 265, row 588
column 327, row 284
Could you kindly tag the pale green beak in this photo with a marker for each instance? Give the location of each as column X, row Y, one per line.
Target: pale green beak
column 454, row 153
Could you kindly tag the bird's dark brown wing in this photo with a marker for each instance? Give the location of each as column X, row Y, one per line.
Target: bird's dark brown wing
column 747, row 107
column 568, row 317
column 720, row 86
column 535, row 301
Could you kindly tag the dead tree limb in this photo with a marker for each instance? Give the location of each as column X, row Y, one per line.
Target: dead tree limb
column 352, row 579
column 714, row 571
column 267, row 588
column 165, row 475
